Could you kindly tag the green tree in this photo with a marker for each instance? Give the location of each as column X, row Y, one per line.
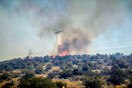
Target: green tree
column 85, row 67
column 5, row 76
column 28, row 75
column 39, row 70
column 130, row 85
column 120, row 63
column 37, row 83
column 15, row 75
column 60, row 84
column 77, row 72
column 92, row 82
column 117, row 76
column 9, row 68
column 69, row 65
column 25, row 71
column 53, row 74
column 66, row 73
column 105, row 71
column 37, row 64
column 49, row 66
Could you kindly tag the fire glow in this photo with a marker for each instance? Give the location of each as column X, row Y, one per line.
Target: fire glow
column 63, row 53
column 53, row 56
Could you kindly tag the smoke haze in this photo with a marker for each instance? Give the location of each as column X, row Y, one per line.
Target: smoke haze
column 80, row 20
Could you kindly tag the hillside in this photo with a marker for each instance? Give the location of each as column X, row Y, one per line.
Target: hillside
column 74, row 70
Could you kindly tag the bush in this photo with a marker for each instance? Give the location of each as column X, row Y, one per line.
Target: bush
column 130, row 85
column 39, row 70
column 53, row 74
column 25, row 71
column 28, row 75
column 69, row 65
column 15, row 75
column 117, row 76
column 37, row 83
column 120, row 63
column 60, row 84
column 49, row 66
column 85, row 67
column 66, row 73
column 77, row 72
column 93, row 83
column 5, row 76
column 105, row 71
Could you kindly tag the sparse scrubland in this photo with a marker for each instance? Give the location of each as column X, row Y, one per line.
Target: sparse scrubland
column 70, row 71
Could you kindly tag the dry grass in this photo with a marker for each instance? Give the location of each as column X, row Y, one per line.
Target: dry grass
column 13, row 79
column 71, row 84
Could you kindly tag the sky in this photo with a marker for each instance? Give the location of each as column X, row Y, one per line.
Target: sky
column 30, row 25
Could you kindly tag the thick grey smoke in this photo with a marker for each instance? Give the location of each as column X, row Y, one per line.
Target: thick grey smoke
column 74, row 41
column 80, row 21
column 27, row 24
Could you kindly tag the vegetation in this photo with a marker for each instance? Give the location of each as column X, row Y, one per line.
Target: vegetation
column 93, row 82
column 60, row 84
column 49, row 66
column 53, row 74
column 130, row 85
column 39, row 70
column 93, row 71
column 117, row 76
column 36, row 83
column 66, row 73
column 8, row 85
column 5, row 76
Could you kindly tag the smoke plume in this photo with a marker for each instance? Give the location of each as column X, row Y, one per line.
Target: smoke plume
column 79, row 20
column 74, row 41
column 80, row 23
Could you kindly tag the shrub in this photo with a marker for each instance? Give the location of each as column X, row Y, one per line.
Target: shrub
column 37, row 83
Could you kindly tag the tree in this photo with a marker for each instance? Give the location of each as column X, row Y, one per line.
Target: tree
column 130, row 85
column 75, row 62
column 105, row 71
column 39, row 70
column 120, row 63
column 91, row 74
column 5, row 76
column 77, row 72
column 117, row 76
column 15, row 75
column 28, row 75
column 25, row 71
column 53, row 74
column 92, row 82
column 37, row 83
column 37, row 64
column 66, row 73
column 9, row 68
column 85, row 67
column 60, row 84
column 49, row 66
column 69, row 65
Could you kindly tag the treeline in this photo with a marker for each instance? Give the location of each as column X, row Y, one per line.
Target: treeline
column 93, row 70
column 107, row 60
